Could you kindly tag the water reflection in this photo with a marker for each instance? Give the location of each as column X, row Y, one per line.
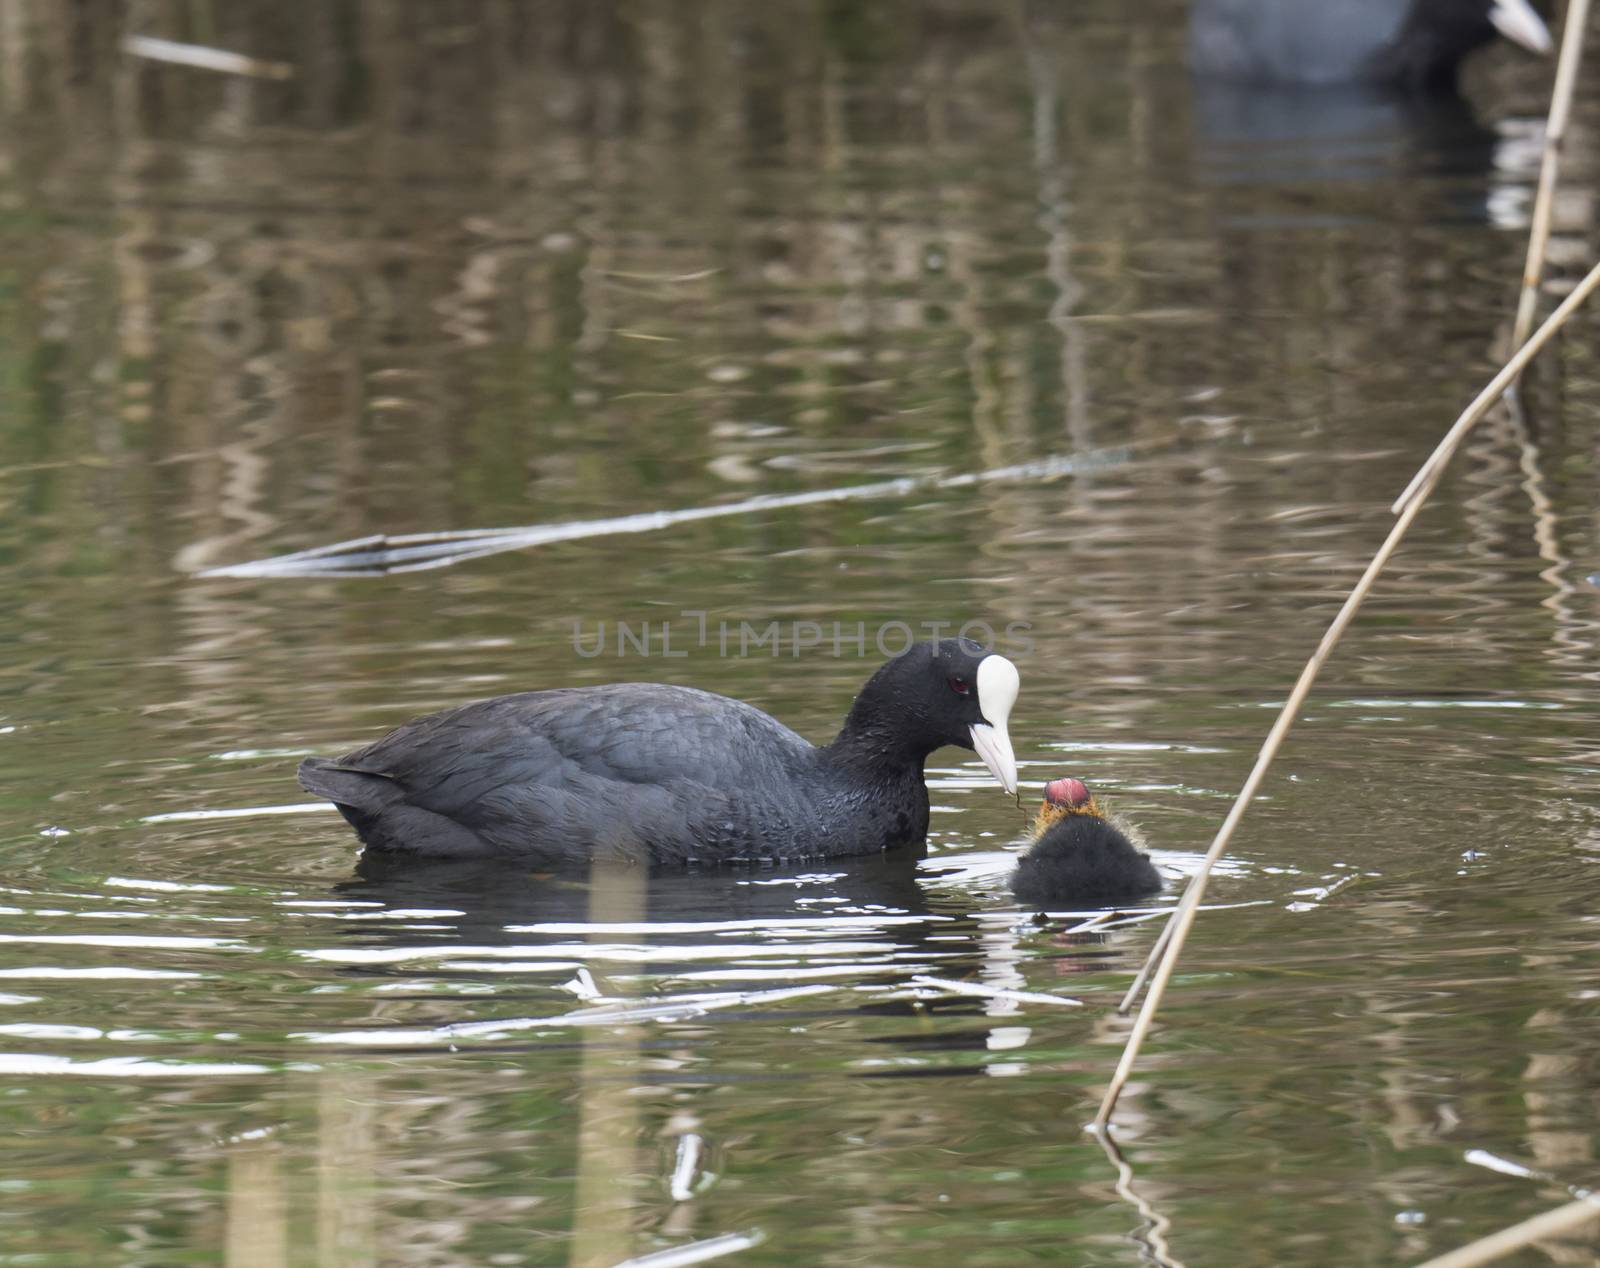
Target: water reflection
column 608, row 1114
column 479, row 264
column 1259, row 136
column 482, row 899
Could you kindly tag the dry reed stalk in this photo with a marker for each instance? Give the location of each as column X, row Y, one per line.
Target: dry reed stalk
column 1554, row 133
column 1564, row 1219
column 1410, row 504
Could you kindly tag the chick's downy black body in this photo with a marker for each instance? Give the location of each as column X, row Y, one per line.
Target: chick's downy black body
column 1080, row 857
column 668, row 774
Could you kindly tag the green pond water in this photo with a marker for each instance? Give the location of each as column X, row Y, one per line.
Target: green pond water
column 481, row 265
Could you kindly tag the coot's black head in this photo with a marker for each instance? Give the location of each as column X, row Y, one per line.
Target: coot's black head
column 950, row 692
column 1438, row 34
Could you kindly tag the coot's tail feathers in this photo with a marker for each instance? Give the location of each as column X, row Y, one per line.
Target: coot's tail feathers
column 347, row 786
column 375, row 806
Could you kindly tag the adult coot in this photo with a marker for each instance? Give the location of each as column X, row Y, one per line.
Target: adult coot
column 1415, row 45
column 1080, row 856
column 670, row 774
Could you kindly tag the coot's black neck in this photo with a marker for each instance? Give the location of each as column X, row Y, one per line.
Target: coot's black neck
column 880, row 741
column 876, row 774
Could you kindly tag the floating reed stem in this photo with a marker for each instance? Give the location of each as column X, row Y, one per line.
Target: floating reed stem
column 1555, row 131
column 1564, row 1219
column 1410, row 503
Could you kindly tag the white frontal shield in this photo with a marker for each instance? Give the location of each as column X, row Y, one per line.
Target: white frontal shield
column 998, row 684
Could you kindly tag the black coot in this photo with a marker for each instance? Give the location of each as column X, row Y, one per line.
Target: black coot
column 1079, row 856
column 670, row 774
column 1415, row 45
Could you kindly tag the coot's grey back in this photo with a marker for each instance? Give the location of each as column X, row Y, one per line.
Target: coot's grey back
column 1292, row 41
column 635, row 733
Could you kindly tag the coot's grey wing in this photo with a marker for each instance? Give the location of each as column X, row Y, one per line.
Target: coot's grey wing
column 655, row 734
column 635, row 733
column 568, row 773
column 1291, row 41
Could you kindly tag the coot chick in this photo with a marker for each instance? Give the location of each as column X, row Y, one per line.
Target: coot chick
column 1413, row 45
column 1079, row 856
column 665, row 774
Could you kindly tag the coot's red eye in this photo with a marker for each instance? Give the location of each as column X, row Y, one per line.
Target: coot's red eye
column 959, row 686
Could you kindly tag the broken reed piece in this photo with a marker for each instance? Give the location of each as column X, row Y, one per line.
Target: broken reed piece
column 200, row 57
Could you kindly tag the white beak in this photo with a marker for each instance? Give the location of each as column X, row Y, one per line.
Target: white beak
column 1517, row 21
column 998, row 684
